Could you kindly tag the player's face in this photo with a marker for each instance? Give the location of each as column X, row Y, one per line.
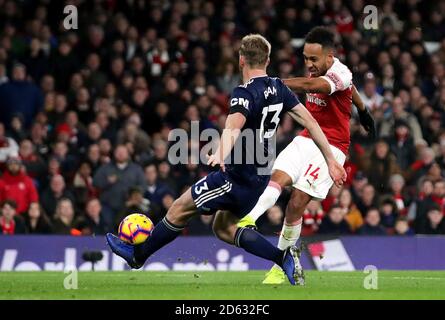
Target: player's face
column 317, row 59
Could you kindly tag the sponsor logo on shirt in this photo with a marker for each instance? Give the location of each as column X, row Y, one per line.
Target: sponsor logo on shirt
column 316, row 100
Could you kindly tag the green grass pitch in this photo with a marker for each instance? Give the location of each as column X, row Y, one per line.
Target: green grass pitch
column 220, row 285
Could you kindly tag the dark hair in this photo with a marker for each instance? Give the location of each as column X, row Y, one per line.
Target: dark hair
column 10, row 202
column 372, row 209
column 434, row 207
column 133, row 190
column 335, row 206
column 322, row 36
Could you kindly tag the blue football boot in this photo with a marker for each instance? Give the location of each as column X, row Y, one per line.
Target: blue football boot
column 123, row 250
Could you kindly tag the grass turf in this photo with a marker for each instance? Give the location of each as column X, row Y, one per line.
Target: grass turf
column 220, row 285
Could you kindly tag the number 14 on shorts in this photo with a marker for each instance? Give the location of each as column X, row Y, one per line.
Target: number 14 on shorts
column 313, row 172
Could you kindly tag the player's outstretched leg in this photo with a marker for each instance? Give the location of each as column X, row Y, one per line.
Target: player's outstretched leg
column 267, row 200
column 226, row 229
column 290, row 233
column 164, row 232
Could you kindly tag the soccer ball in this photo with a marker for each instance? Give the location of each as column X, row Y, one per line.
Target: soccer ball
column 135, row 228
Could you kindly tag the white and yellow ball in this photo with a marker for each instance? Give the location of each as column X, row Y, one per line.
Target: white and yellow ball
column 135, row 228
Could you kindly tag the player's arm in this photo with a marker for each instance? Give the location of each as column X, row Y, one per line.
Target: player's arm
column 303, row 116
column 303, row 84
column 234, row 123
column 366, row 119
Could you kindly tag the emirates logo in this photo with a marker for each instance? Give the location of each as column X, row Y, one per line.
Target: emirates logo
column 316, row 100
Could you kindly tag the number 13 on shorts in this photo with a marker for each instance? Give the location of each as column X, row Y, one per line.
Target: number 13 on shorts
column 201, row 186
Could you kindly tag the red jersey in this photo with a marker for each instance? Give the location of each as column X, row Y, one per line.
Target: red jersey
column 333, row 111
column 19, row 188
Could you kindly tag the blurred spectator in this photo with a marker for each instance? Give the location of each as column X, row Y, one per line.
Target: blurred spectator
column 33, row 163
column 115, row 179
column 400, row 197
column 68, row 162
column 334, row 222
column 10, row 222
column 371, row 98
column 273, row 223
column 136, row 203
column 64, row 63
column 228, row 77
column 36, row 60
column 38, row 137
column 57, row 114
column 56, row 191
column 94, row 158
column 388, row 214
column 372, row 226
column 434, row 224
column 64, row 218
column 167, row 202
column 8, row 146
column 352, row 215
column 36, row 220
column 312, row 217
column 380, row 165
column 16, row 131
column 441, row 157
column 20, row 96
column 400, row 114
column 132, row 133
column 358, row 183
column 402, row 227
column 155, row 190
column 331, row 198
column 92, row 222
column 16, row 185
column 367, row 199
column 420, row 167
column 83, row 184
column 165, row 176
column 402, row 145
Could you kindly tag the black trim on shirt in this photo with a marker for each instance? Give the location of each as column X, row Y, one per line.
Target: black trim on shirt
column 239, row 109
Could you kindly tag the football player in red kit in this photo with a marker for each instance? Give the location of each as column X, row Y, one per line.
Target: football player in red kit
column 330, row 93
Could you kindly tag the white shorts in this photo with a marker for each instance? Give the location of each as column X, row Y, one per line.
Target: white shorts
column 305, row 164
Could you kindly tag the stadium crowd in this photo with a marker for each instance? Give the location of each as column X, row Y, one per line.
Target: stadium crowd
column 85, row 114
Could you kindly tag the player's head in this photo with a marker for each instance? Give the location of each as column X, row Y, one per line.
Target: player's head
column 318, row 51
column 254, row 52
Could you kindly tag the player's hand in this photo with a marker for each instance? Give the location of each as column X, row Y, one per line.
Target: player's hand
column 367, row 121
column 337, row 173
column 213, row 160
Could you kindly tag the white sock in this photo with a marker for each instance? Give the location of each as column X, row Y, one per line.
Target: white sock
column 266, row 200
column 289, row 235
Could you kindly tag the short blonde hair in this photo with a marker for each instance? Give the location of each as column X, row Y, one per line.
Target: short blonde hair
column 255, row 49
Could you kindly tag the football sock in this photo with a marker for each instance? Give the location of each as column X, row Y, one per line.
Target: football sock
column 289, row 235
column 254, row 243
column 163, row 233
column 266, row 200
